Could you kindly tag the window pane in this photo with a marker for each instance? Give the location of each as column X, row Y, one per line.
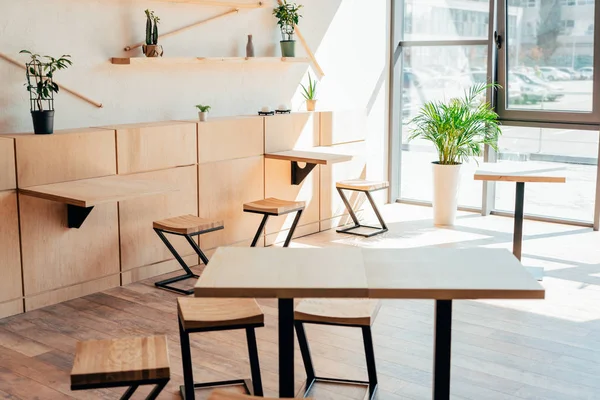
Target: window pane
column 436, row 73
column 446, row 19
column 550, row 55
column 575, row 151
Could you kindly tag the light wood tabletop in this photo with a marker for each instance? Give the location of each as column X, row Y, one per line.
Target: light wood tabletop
column 421, row 273
column 313, row 156
column 94, row 191
column 520, row 172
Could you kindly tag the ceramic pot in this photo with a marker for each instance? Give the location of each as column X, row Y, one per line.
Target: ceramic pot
column 152, row 50
column 288, row 48
column 311, row 105
column 202, row 116
column 445, row 193
column 43, row 122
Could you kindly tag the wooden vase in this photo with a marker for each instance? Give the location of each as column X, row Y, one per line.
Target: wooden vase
column 152, row 50
column 311, row 105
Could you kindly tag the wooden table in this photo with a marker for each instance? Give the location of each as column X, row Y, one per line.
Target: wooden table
column 519, row 172
column 81, row 196
column 440, row 274
column 312, row 158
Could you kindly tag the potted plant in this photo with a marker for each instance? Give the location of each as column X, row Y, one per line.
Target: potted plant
column 457, row 129
column 41, row 87
column 202, row 112
column 288, row 16
column 152, row 48
column 310, row 94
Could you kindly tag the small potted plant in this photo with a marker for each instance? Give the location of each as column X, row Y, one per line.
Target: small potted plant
column 310, row 93
column 41, row 87
column 152, row 48
column 202, row 112
column 458, row 129
column 288, row 16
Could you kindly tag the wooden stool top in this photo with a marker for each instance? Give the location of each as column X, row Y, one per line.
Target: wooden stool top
column 186, row 224
column 200, row 313
column 134, row 359
column 362, row 185
column 222, row 394
column 274, row 206
column 360, row 312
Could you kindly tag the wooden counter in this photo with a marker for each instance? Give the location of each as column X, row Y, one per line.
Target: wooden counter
column 211, row 168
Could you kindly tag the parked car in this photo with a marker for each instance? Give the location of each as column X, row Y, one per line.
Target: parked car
column 554, row 74
column 515, row 92
column 553, row 92
column 587, row 72
column 572, row 73
column 530, row 93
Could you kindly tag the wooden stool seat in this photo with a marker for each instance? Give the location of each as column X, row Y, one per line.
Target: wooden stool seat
column 362, row 185
column 355, row 312
column 201, row 313
column 187, row 224
column 221, row 394
column 274, row 206
column 121, row 362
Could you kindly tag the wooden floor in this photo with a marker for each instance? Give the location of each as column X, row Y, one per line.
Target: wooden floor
column 546, row 349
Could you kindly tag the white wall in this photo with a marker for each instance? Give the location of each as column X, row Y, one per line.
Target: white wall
column 349, row 37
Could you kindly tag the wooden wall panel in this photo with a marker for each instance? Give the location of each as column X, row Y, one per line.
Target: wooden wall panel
column 332, row 210
column 11, row 283
column 8, row 177
column 278, row 184
column 65, row 156
column 224, row 187
column 140, row 245
column 153, row 146
column 150, row 271
column 339, row 127
column 291, row 131
column 71, row 292
column 12, row 307
column 230, row 138
column 55, row 256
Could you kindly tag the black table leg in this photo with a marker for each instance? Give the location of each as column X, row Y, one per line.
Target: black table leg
column 518, row 230
column 286, row 348
column 442, row 349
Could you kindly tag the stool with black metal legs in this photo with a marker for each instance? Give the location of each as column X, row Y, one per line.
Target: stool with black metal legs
column 127, row 362
column 219, row 314
column 275, row 207
column 187, row 226
column 366, row 187
column 357, row 313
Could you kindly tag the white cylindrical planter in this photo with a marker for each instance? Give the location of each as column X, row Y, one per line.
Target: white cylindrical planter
column 203, row 116
column 445, row 193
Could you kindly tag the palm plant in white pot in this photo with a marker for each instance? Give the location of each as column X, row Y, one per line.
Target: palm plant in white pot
column 458, row 129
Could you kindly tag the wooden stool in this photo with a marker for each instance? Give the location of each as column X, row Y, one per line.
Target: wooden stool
column 275, row 207
column 339, row 312
column 186, row 226
column 122, row 362
column 218, row 314
column 221, row 394
column 366, row 187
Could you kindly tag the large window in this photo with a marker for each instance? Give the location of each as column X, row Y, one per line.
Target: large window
column 548, row 102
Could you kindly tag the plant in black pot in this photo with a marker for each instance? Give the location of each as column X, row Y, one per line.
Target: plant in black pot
column 41, row 87
column 288, row 16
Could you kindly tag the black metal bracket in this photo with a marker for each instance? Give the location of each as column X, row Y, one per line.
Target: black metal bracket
column 76, row 215
column 298, row 174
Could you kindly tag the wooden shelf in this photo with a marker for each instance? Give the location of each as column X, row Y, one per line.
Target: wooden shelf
column 205, row 60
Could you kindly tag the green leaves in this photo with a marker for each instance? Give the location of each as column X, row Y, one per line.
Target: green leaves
column 288, row 15
column 310, row 92
column 40, row 75
column 458, row 129
column 203, row 108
